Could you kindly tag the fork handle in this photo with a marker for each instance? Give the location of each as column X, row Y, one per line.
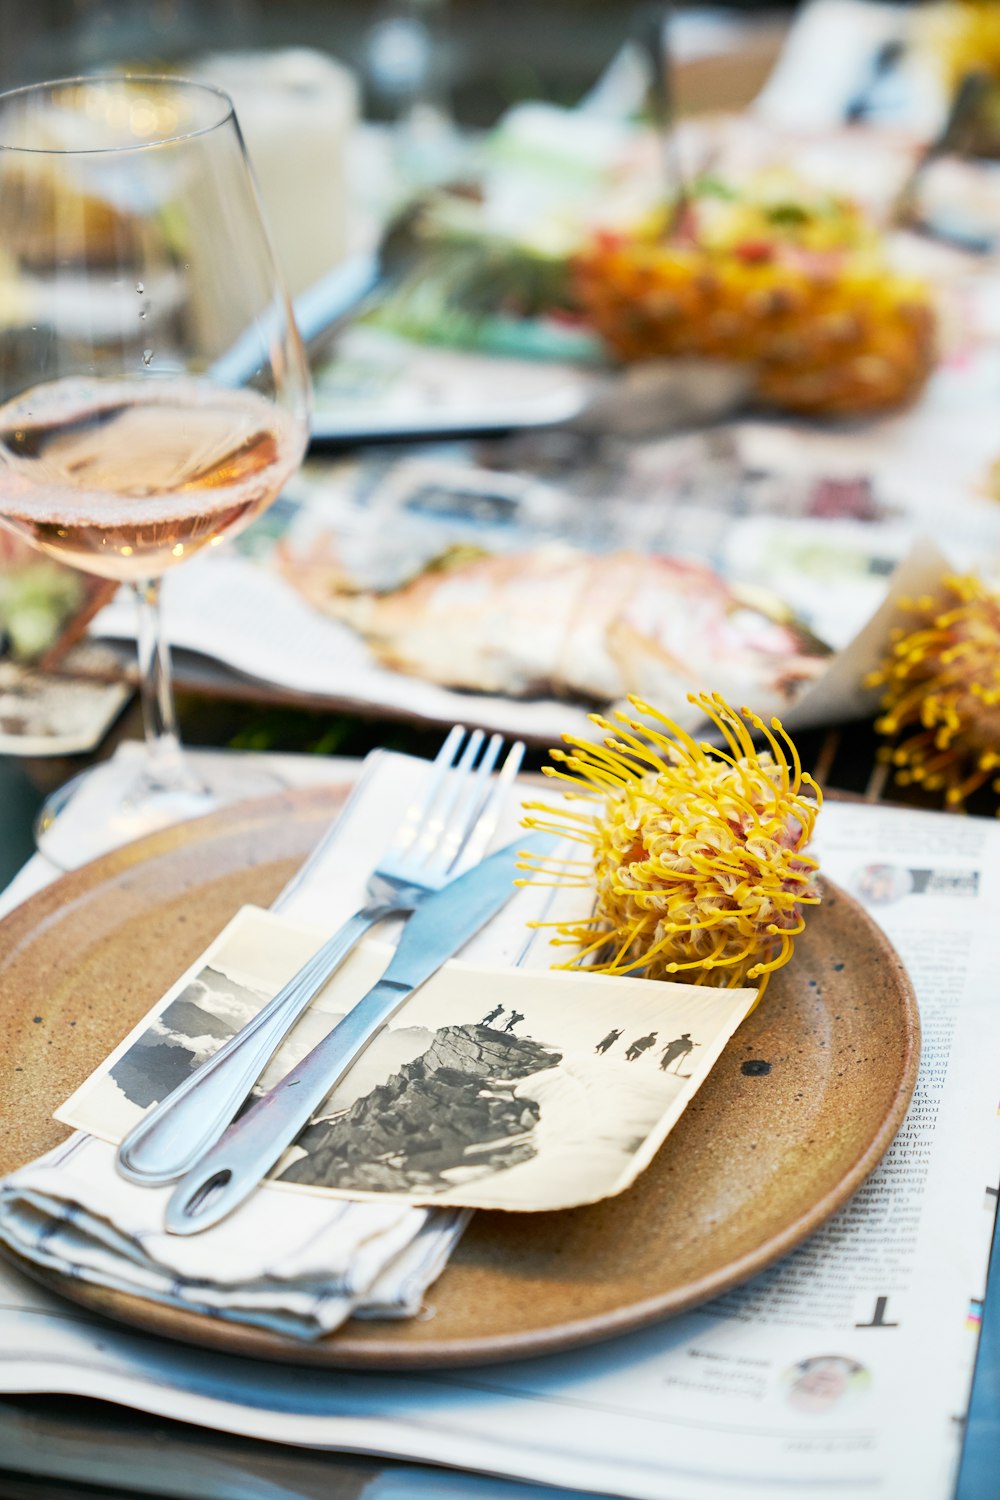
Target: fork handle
column 182, row 1126
column 239, row 1161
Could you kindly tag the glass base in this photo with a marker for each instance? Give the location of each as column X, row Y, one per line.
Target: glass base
column 116, row 802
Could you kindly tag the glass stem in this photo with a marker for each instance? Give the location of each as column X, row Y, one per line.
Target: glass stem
column 167, row 767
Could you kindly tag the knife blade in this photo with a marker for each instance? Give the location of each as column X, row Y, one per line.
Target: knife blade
column 231, row 1169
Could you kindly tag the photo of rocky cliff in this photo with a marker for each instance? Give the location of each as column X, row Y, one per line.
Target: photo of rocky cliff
column 456, row 1112
column 491, row 1087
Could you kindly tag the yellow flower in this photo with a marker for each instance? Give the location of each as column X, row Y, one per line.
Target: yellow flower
column 942, row 692
column 697, row 861
column 960, row 39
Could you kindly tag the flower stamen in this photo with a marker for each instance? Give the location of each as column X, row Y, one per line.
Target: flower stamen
column 697, row 852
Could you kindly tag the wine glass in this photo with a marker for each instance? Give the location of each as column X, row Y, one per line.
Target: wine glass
column 154, row 395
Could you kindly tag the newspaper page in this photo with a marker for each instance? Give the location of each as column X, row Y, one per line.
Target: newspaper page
column 843, row 1370
column 338, row 591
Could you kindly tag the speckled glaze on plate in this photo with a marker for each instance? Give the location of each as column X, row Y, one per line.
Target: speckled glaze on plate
column 794, row 1116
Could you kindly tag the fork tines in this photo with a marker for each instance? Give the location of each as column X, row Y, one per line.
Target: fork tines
column 462, row 805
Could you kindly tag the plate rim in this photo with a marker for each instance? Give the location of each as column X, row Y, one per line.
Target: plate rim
column 338, row 1349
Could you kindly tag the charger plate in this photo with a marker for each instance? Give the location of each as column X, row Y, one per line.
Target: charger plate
column 797, row 1112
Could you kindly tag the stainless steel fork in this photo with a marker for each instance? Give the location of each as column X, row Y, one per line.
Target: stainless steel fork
column 442, row 835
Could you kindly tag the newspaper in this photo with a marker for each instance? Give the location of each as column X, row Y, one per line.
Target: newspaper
column 815, row 518
column 844, row 1370
column 830, row 69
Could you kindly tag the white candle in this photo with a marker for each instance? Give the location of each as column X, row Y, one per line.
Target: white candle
column 297, row 110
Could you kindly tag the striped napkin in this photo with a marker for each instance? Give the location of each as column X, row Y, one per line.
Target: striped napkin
column 300, row 1271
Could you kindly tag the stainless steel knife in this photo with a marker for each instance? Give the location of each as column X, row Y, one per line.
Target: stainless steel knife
column 241, row 1158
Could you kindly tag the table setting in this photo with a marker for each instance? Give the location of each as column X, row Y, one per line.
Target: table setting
column 599, row 1096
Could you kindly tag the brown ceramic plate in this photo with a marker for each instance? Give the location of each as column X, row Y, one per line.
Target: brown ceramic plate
column 797, row 1112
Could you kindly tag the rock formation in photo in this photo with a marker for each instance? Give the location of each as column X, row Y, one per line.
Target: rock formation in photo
column 453, row 1107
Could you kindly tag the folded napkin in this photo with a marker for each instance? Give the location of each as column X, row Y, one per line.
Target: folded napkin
column 300, row 1269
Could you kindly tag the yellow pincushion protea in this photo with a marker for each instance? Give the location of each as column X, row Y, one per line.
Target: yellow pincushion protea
column 697, row 852
column 942, row 692
column 959, row 37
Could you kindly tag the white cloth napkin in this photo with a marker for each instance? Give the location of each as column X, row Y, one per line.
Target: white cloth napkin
column 298, row 1265
column 284, row 1261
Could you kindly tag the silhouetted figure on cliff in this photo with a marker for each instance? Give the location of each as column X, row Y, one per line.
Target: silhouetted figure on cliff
column 678, row 1048
column 608, row 1041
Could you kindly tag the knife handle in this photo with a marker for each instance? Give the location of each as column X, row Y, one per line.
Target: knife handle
column 171, row 1137
column 231, row 1170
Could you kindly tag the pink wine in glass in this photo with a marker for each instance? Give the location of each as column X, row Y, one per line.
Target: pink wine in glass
column 125, row 478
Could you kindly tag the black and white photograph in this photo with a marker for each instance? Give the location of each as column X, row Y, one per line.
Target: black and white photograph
column 490, row 1088
column 44, row 714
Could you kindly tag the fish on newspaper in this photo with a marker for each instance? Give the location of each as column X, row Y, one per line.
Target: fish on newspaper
column 556, row 621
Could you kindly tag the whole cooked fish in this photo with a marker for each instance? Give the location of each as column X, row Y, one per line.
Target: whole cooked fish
column 557, row 621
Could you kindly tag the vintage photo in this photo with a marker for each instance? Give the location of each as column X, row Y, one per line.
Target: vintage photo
column 43, row 714
column 493, row 1088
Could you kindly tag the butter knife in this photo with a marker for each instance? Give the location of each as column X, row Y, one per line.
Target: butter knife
column 231, row 1169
